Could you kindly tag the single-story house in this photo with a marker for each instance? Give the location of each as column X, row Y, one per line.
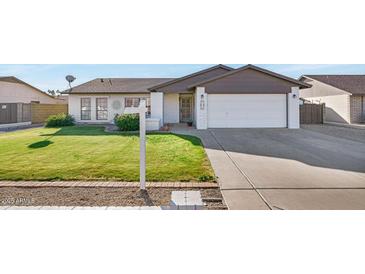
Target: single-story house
column 343, row 95
column 217, row 97
column 14, row 90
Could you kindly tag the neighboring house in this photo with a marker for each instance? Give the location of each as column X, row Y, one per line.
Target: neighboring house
column 343, row 95
column 217, row 97
column 14, row 90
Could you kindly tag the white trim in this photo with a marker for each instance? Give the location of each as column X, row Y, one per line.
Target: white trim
column 107, row 108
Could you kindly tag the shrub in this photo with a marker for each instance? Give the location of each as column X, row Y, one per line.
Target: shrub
column 206, row 178
column 127, row 122
column 60, row 120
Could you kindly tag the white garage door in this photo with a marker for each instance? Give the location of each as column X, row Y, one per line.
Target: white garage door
column 246, row 110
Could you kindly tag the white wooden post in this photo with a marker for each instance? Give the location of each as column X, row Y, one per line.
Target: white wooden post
column 142, row 144
column 141, row 110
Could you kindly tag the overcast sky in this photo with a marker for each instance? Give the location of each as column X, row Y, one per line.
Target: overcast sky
column 47, row 77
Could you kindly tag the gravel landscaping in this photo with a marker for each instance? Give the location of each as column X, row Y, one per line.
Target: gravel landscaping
column 82, row 196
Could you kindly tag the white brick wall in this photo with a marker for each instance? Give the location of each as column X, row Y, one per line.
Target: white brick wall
column 293, row 108
column 171, row 108
column 157, row 99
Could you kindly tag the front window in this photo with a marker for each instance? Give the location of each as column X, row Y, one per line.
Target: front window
column 85, row 108
column 101, row 109
column 134, row 102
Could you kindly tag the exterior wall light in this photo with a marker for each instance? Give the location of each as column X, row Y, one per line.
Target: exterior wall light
column 294, row 96
column 202, row 102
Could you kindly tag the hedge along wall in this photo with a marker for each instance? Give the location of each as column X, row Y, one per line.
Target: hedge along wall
column 40, row 112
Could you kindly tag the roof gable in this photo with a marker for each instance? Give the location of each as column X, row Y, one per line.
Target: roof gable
column 272, row 74
column 354, row 84
column 250, row 79
column 181, row 84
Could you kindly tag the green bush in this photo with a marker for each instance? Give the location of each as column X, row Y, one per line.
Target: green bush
column 206, row 178
column 60, row 120
column 127, row 122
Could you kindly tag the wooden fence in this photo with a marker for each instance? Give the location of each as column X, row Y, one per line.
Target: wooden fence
column 40, row 112
column 312, row 113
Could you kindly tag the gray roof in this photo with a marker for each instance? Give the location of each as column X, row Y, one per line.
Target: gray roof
column 354, row 84
column 117, row 85
column 174, row 85
column 249, row 66
column 181, row 84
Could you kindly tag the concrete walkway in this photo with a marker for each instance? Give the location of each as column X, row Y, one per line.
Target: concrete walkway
column 233, row 182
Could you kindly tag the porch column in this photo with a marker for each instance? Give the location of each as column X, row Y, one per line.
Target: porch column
column 157, row 106
column 201, row 108
column 293, row 108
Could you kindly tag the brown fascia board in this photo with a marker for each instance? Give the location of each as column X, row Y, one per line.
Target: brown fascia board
column 283, row 77
column 189, row 76
column 17, row 80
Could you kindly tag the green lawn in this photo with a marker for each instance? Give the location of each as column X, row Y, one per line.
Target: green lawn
column 88, row 153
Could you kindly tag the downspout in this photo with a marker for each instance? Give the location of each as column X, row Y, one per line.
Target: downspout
column 362, row 108
column 287, row 110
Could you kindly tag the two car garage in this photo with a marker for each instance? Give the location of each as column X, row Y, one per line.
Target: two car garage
column 247, row 110
column 249, row 97
column 223, row 97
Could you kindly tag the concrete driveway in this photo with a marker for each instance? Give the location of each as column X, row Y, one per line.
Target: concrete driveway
column 316, row 167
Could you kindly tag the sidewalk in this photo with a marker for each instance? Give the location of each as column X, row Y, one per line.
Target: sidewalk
column 15, row 128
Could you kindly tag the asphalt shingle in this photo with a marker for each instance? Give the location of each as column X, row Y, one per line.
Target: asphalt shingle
column 354, row 84
column 118, row 85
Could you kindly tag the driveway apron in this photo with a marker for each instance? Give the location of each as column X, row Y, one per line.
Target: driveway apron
column 293, row 169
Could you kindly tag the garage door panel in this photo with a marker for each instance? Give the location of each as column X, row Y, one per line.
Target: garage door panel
column 246, row 110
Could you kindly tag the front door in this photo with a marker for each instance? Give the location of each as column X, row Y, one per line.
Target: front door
column 186, row 108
